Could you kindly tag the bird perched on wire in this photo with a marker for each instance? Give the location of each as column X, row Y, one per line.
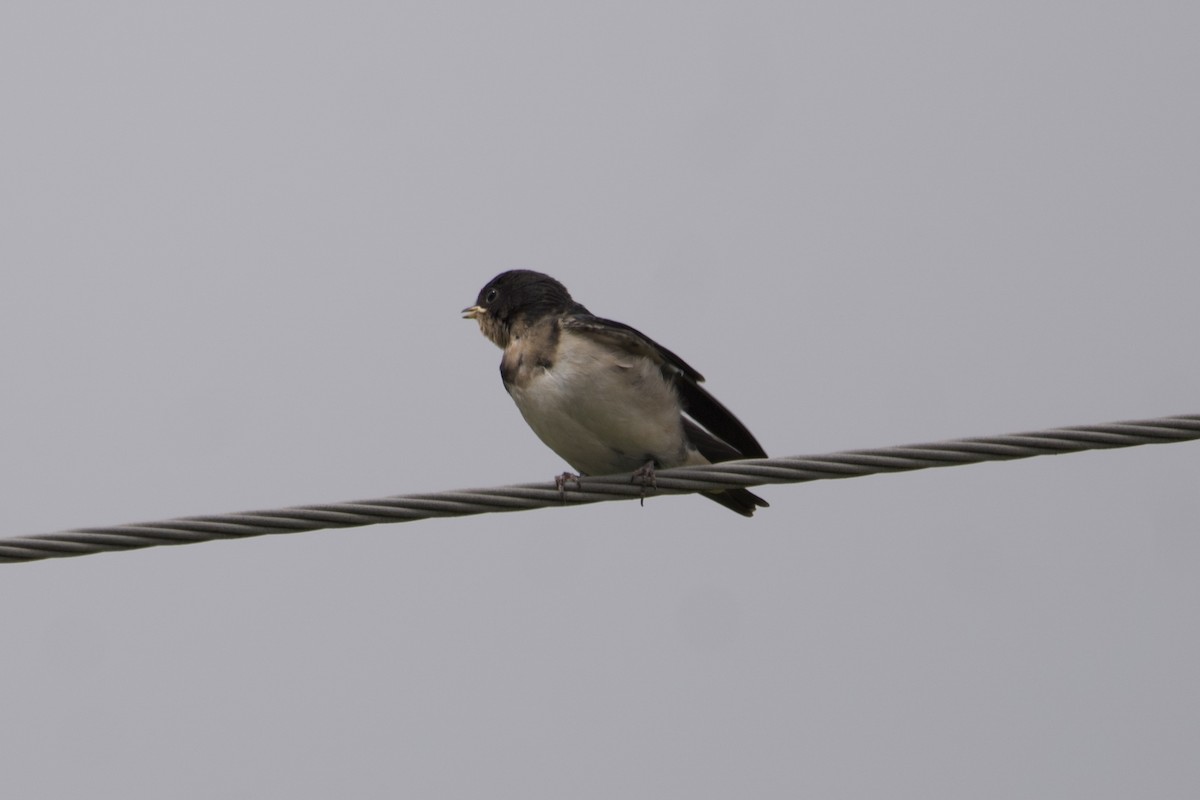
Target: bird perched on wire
column 602, row 395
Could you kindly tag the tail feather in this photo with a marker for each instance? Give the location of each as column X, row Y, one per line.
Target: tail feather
column 743, row 501
column 713, row 451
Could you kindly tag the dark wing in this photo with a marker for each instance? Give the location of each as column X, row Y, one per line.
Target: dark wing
column 720, row 425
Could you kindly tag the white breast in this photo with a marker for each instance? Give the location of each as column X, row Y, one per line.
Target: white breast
column 603, row 411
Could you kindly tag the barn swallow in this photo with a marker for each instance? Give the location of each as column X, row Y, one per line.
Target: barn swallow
column 602, row 395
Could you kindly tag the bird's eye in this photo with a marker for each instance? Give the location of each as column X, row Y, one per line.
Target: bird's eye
column 491, row 296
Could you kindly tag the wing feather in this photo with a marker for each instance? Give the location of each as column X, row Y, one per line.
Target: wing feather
column 707, row 412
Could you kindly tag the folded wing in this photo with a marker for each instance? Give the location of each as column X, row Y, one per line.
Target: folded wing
column 716, row 432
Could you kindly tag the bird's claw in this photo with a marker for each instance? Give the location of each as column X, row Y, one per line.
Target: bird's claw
column 561, row 481
column 645, row 476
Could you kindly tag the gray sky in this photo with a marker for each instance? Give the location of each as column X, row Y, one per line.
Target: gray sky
column 235, row 238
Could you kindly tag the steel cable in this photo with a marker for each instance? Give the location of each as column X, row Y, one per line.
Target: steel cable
column 522, row 497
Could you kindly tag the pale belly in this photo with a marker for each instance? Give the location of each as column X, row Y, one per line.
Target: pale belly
column 604, row 414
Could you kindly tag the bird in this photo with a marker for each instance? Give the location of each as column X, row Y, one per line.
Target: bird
column 605, row 397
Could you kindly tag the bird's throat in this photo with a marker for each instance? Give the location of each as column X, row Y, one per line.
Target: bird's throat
column 496, row 330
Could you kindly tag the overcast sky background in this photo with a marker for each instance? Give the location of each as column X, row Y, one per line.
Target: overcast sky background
column 234, row 242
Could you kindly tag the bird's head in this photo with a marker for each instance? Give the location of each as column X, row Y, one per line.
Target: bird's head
column 517, row 298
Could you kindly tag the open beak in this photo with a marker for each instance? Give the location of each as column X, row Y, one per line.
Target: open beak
column 474, row 312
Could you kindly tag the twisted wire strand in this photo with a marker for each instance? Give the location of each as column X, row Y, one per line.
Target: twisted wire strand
column 522, row 497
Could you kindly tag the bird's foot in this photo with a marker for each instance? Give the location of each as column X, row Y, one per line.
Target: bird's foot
column 561, row 481
column 645, row 476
